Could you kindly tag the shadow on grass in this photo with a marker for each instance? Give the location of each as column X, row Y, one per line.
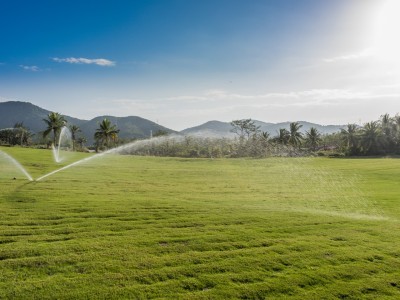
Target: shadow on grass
column 20, row 195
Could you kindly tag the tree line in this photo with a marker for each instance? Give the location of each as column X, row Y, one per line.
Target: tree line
column 380, row 137
column 106, row 135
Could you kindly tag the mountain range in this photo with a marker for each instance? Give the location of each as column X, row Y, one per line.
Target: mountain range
column 131, row 127
column 224, row 128
column 32, row 117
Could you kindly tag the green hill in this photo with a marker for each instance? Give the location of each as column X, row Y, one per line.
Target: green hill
column 130, row 127
column 32, row 116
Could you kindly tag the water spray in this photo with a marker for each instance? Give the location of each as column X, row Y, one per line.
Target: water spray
column 113, row 150
column 132, row 146
column 65, row 136
column 16, row 164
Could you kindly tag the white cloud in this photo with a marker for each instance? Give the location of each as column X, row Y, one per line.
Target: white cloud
column 323, row 94
column 5, row 99
column 97, row 61
column 325, row 106
column 363, row 54
column 326, row 94
column 30, row 68
column 227, row 100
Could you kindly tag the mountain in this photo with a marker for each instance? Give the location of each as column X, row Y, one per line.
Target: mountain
column 324, row 129
column 211, row 127
column 224, row 128
column 130, row 127
column 32, row 116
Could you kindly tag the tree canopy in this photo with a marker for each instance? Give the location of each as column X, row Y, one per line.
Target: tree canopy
column 106, row 133
column 54, row 122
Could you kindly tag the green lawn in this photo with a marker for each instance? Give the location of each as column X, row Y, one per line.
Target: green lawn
column 127, row 227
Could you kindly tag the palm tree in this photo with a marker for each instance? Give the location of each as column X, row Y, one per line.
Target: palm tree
column 55, row 122
column 386, row 122
column 371, row 137
column 388, row 130
column 350, row 137
column 396, row 131
column 265, row 136
column 106, row 132
column 22, row 132
column 81, row 141
column 283, row 136
column 313, row 137
column 74, row 130
column 295, row 136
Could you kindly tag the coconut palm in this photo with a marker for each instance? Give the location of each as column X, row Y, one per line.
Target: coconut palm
column 371, row 137
column 81, row 141
column 282, row 137
column 265, row 135
column 55, row 122
column 350, row 136
column 295, row 136
column 313, row 138
column 22, row 133
column 74, row 130
column 388, row 130
column 386, row 122
column 106, row 132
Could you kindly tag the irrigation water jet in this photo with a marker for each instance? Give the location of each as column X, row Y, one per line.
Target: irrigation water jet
column 113, row 150
column 16, row 164
column 64, row 139
column 131, row 147
column 73, row 164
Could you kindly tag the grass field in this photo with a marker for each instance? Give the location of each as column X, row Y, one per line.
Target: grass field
column 126, row 227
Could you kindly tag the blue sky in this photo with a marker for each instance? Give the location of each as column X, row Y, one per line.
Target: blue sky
column 184, row 62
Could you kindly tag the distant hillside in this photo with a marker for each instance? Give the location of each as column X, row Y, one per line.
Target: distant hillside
column 224, row 128
column 130, row 127
column 324, row 129
column 32, row 116
column 210, row 127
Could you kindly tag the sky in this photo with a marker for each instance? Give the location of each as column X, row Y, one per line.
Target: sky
column 181, row 63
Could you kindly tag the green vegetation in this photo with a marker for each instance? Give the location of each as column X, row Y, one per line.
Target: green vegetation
column 54, row 122
column 74, row 130
column 18, row 135
column 126, row 227
column 381, row 137
column 32, row 116
column 106, row 133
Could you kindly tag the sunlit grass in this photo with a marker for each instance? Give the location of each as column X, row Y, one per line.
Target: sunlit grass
column 143, row 227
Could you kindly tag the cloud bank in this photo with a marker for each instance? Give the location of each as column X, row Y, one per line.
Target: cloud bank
column 30, row 68
column 363, row 54
column 97, row 61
